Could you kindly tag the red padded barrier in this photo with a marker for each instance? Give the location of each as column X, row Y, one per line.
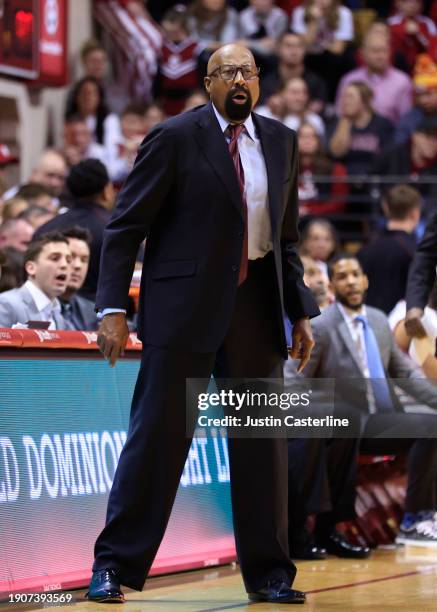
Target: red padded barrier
column 57, row 339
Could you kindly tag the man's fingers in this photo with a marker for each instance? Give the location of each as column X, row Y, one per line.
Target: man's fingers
column 114, row 355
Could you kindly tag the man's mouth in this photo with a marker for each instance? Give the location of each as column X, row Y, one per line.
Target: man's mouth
column 61, row 278
column 239, row 97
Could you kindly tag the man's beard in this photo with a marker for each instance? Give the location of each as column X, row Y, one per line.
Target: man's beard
column 238, row 112
column 345, row 302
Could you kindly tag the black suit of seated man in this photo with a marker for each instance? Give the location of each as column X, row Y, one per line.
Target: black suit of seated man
column 213, row 291
column 323, row 472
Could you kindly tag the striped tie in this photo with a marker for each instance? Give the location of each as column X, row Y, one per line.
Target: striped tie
column 234, row 132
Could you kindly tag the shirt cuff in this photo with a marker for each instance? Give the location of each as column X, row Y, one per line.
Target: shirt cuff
column 106, row 311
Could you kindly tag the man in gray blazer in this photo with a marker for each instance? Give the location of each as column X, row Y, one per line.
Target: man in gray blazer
column 354, row 346
column 47, row 265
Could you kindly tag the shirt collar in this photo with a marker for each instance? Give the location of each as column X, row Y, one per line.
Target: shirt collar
column 248, row 124
column 348, row 314
column 42, row 301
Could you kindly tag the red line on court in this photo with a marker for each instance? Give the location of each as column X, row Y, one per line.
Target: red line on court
column 371, row 581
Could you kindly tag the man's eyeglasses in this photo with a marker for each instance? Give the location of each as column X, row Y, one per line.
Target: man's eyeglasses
column 228, row 72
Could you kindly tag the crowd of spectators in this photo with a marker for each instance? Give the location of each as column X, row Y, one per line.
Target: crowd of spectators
column 357, row 81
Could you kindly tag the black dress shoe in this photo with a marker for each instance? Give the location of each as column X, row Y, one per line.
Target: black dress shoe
column 105, row 587
column 305, row 552
column 303, row 546
column 278, row 592
column 336, row 544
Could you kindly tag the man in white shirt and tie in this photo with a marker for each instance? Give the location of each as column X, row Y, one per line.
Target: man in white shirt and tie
column 47, row 264
column 214, row 190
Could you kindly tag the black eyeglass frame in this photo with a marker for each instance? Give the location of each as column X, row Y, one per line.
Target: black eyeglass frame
column 237, row 69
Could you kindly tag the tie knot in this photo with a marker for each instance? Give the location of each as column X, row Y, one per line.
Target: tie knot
column 361, row 319
column 234, row 130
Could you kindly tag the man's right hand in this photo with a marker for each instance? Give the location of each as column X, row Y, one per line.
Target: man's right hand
column 413, row 323
column 113, row 336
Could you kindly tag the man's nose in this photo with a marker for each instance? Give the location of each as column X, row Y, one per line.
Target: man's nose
column 239, row 77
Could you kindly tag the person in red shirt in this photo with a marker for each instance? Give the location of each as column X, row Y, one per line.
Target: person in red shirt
column 319, row 197
column 178, row 74
column 410, row 30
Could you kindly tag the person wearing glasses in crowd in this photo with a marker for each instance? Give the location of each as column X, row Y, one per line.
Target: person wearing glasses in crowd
column 214, row 190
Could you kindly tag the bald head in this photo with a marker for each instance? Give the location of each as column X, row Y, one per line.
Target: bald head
column 230, row 54
column 232, row 82
column 50, row 171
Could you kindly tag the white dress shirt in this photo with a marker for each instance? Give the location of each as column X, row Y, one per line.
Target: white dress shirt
column 255, row 189
column 45, row 306
column 356, row 330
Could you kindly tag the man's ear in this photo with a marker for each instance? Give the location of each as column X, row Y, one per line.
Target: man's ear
column 30, row 268
column 366, row 282
column 207, row 83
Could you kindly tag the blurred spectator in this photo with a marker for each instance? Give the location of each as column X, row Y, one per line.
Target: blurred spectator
column 6, row 160
column 392, row 89
column 95, row 60
column 88, row 101
column 13, row 208
column 421, row 350
column 12, row 270
column 50, row 171
column 326, row 27
column 381, row 28
column 411, row 31
column 178, row 74
column 317, row 281
column 296, row 98
column 16, row 234
column 36, row 215
column 274, row 107
column 319, row 241
column 291, row 55
column 93, row 195
column 213, row 22
column 133, row 129
column 415, row 159
column 152, row 116
column 197, row 98
column 78, row 142
column 425, row 83
column 3, row 260
column 47, row 263
column 137, row 40
column 261, row 25
column 36, row 194
column 358, row 134
column 319, row 197
column 77, row 310
column 386, row 259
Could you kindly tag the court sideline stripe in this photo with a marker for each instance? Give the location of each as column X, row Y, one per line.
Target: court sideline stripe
column 333, row 588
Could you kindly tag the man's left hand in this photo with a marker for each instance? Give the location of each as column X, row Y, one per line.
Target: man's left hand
column 302, row 342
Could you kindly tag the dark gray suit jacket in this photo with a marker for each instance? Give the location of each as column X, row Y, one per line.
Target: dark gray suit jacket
column 335, row 356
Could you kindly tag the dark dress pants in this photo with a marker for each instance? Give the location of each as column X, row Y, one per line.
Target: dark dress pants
column 153, row 458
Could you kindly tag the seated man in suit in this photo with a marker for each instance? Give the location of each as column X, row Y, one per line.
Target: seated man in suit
column 77, row 310
column 356, row 340
column 47, row 264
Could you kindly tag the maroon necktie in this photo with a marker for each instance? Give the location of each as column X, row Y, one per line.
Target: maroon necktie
column 234, row 131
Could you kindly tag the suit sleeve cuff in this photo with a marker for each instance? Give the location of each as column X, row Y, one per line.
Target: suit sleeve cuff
column 106, row 311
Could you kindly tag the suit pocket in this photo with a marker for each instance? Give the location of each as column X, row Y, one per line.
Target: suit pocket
column 174, row 269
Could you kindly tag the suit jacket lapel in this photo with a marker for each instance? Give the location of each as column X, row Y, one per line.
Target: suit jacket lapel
column 274, row 160
column 28, row 303
column 214, row 146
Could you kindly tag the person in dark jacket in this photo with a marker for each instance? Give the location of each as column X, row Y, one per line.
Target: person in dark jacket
column 389, row 254
column 93, row 193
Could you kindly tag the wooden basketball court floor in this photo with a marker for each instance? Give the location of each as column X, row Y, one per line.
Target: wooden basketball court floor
column 391, row 580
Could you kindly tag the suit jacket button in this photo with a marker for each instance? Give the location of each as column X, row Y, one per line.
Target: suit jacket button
column 240, row 233
column 234, row 268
